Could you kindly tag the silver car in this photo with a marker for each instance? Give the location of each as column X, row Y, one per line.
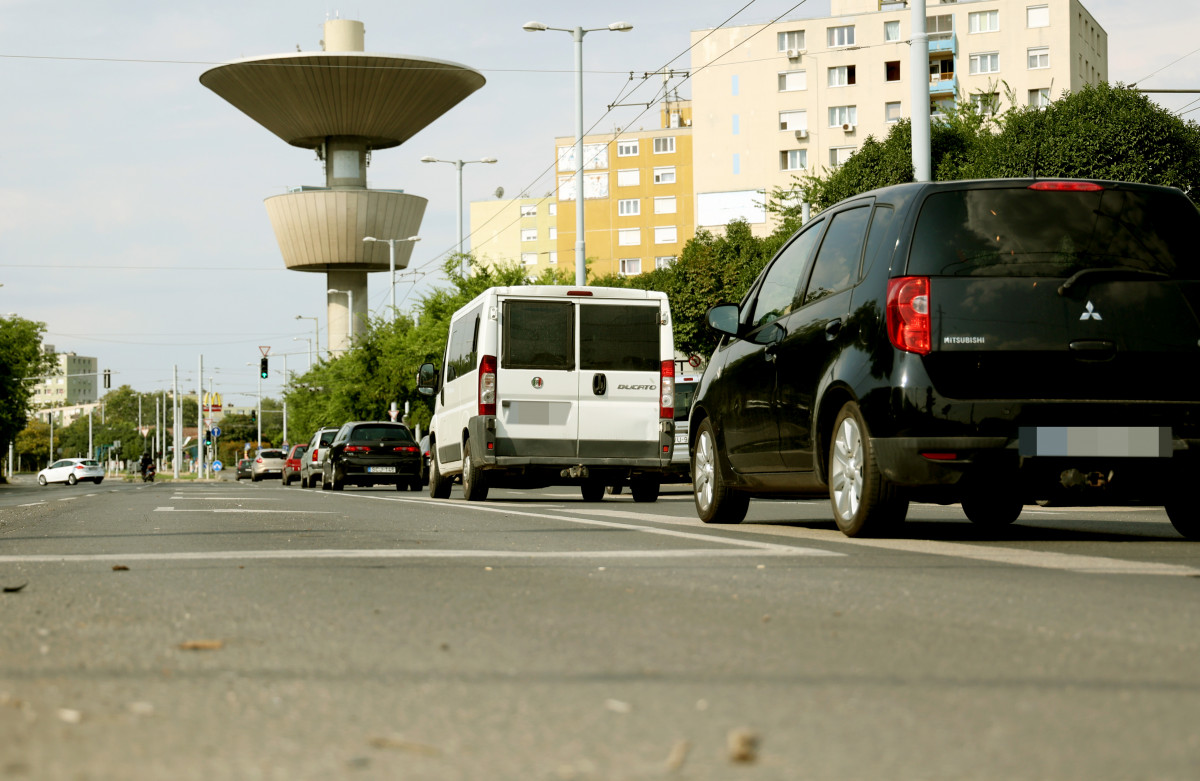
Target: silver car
column 268, row 463
column 310, row 466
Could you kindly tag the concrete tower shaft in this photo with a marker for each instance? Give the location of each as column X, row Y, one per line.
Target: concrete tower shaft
column 344, row 104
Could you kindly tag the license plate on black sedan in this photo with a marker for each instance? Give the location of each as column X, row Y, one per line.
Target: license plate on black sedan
column 381, row 470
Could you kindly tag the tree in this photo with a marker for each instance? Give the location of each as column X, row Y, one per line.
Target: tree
column 22, row 362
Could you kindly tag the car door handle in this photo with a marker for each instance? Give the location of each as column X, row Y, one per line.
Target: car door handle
column 599, row 384
column 833, row 328
column 771, row 353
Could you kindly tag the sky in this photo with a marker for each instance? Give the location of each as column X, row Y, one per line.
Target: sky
column 131, row 197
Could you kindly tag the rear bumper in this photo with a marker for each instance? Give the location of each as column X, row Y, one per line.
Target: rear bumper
column 493, row 450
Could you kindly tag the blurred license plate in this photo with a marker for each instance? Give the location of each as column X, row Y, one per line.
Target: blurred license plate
column 681, row 439
column 382, row 470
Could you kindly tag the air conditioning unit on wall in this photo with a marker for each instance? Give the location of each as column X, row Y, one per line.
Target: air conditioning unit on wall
column 801, row 135
column 795, row 54
column 848, row 127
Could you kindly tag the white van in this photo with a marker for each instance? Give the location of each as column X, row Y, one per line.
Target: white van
column 554, row 385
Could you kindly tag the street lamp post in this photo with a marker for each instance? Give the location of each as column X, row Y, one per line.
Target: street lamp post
column 577, row 33
column 392, row 251
column 350, row 311
column 316, row 335
column 458, row 165
column 310, row 348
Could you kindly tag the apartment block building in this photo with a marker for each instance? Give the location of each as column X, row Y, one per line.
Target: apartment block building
column 516, row 230
column 637, row 194
column 799, row 96
column 74, row 383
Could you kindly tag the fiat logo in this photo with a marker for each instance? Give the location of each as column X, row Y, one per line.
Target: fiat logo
column 536, row 382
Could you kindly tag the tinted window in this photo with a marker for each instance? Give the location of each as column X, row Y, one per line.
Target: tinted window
column 836, row 266
column 780, row 290
column 538, row 335
column 875, row 238
column 382, row 432
column 271, row 453
column 461, row 354
column 1023, row 232
column 619, row 337
column 684, row 393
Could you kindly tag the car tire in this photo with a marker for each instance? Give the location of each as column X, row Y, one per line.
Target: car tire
column 416, row 485
column 324, row 483
column 991, row 511
column 592, row 491
column 303, row 481
column 41, row 479
column 715, row 501
column 1184, row 517
column 336, row 482
column 864, row 502
column 475, row 488
column 255, row 478
column 99, row 480
column 645, row 489
column 439, row 485
column 72, row 480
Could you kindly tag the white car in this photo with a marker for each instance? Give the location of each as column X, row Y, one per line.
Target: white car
column 72, row 471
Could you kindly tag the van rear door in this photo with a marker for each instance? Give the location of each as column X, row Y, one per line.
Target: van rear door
column 537, row 385
column 620, row 361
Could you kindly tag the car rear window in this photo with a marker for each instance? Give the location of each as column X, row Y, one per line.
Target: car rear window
column 1020, row 232
column 90, row 462
column 272, row 454
column 382, row 432
column 619, row 337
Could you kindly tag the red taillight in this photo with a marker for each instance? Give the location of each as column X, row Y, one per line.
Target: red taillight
column 938, row 455
column 487, row 385
column 314, row 456
column 358, row 448
column 666, row 383
column 405, row 449
column 79, row 466
column 1070, row 187
column 908, row 323
column 579, row 292
column 258, row 460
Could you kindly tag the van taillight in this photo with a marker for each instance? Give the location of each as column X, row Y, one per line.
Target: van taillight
column 487, row 385
column 908, row 314
column 1070, row 187
column 666, row 382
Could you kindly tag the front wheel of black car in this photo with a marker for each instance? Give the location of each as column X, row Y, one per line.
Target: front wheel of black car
column 439, row 484
column 715, row 502
column 864, row 502
column 1184, row 517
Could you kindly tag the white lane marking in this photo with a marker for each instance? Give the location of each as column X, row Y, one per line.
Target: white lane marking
column 228, row 498
column 69, row 499
column 391, row 553
column 31, row 504
column 1069, row 562
column 495, row 507
column 243, row 510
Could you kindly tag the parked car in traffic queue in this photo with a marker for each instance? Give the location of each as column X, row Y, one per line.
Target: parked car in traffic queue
column 245, row 468
column 291, row 466
column 268, row 463
column 310, row 466
column 369, row 453
column 71, row 471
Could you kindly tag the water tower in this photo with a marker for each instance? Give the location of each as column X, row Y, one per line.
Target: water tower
column 343, row 103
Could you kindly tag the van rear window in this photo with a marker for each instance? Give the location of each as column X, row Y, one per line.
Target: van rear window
column 1020, row 232
column 538, row 335
column 619, row 337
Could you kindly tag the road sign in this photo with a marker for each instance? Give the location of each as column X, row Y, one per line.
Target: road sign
column 208, row 422
column 265, row 348
column 247, row 447
column 145, row 430
column 216, row 431
column 217, row 465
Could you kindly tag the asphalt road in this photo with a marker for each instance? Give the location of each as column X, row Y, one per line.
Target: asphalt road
column 238, row 630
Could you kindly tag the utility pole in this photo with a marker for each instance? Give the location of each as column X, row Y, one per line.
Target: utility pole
column 200, row 420
column 175, row 419
column 919, row 95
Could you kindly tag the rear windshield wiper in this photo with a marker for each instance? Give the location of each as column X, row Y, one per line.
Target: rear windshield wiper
column 1117, row 271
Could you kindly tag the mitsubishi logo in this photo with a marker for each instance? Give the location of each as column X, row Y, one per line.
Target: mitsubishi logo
column 1090, row 313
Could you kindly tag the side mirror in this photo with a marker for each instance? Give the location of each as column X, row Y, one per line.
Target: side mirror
column 427, row 379
column 723, row 318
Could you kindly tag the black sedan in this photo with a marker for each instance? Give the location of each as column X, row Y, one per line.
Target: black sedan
column 370, row 453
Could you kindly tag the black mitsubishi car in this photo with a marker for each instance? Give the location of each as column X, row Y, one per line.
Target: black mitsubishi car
column 370, row 453
column 994, row 343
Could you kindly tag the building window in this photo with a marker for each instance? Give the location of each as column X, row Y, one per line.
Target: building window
column 793, row 159
column 629, row 207
column 737, row 124
column 528, row 234
column 553, row 232
column 983, row 22
column 891, row 70
column 1039, row 98
column 792, row 39
column 664, row 204
column 529, row 210
column 941, row 25
column 629, row 237
column 843, row 115
column 553, row 209
column 629, row 177
column 839, row 155
column 986, row 102
column 627, row 148
column 553, row 257
column 733, row 85
column 793, row 81
column 891, row 112
column 664, row 261
column 841, row 76
column 664, row 145
column 891, row 31
column 666, row 234
column 664, row 174
column 529, row 258
column 793, row 120
column 1037, row 16
column 630, row 267
column 988, row 62
column 840, row 36
column 737, row 163
column 1039, row 57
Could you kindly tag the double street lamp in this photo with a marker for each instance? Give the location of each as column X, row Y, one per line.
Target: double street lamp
column 316, row 342
column 577, row 33
column 392, row 252
column 458, row 165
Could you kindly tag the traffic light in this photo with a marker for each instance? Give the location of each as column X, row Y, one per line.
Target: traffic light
column 207, row 437
column 253, row 416
column 107, row 379
column 262, row 368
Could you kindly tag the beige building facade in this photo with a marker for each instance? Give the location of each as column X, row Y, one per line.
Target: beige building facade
column 801, row 96
column 75, row 382
column 516, row 231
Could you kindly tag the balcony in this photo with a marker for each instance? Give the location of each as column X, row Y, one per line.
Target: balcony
column 945, row 84
column 942, row 42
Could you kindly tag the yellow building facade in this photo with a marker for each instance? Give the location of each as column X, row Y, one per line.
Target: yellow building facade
column 516, row 230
